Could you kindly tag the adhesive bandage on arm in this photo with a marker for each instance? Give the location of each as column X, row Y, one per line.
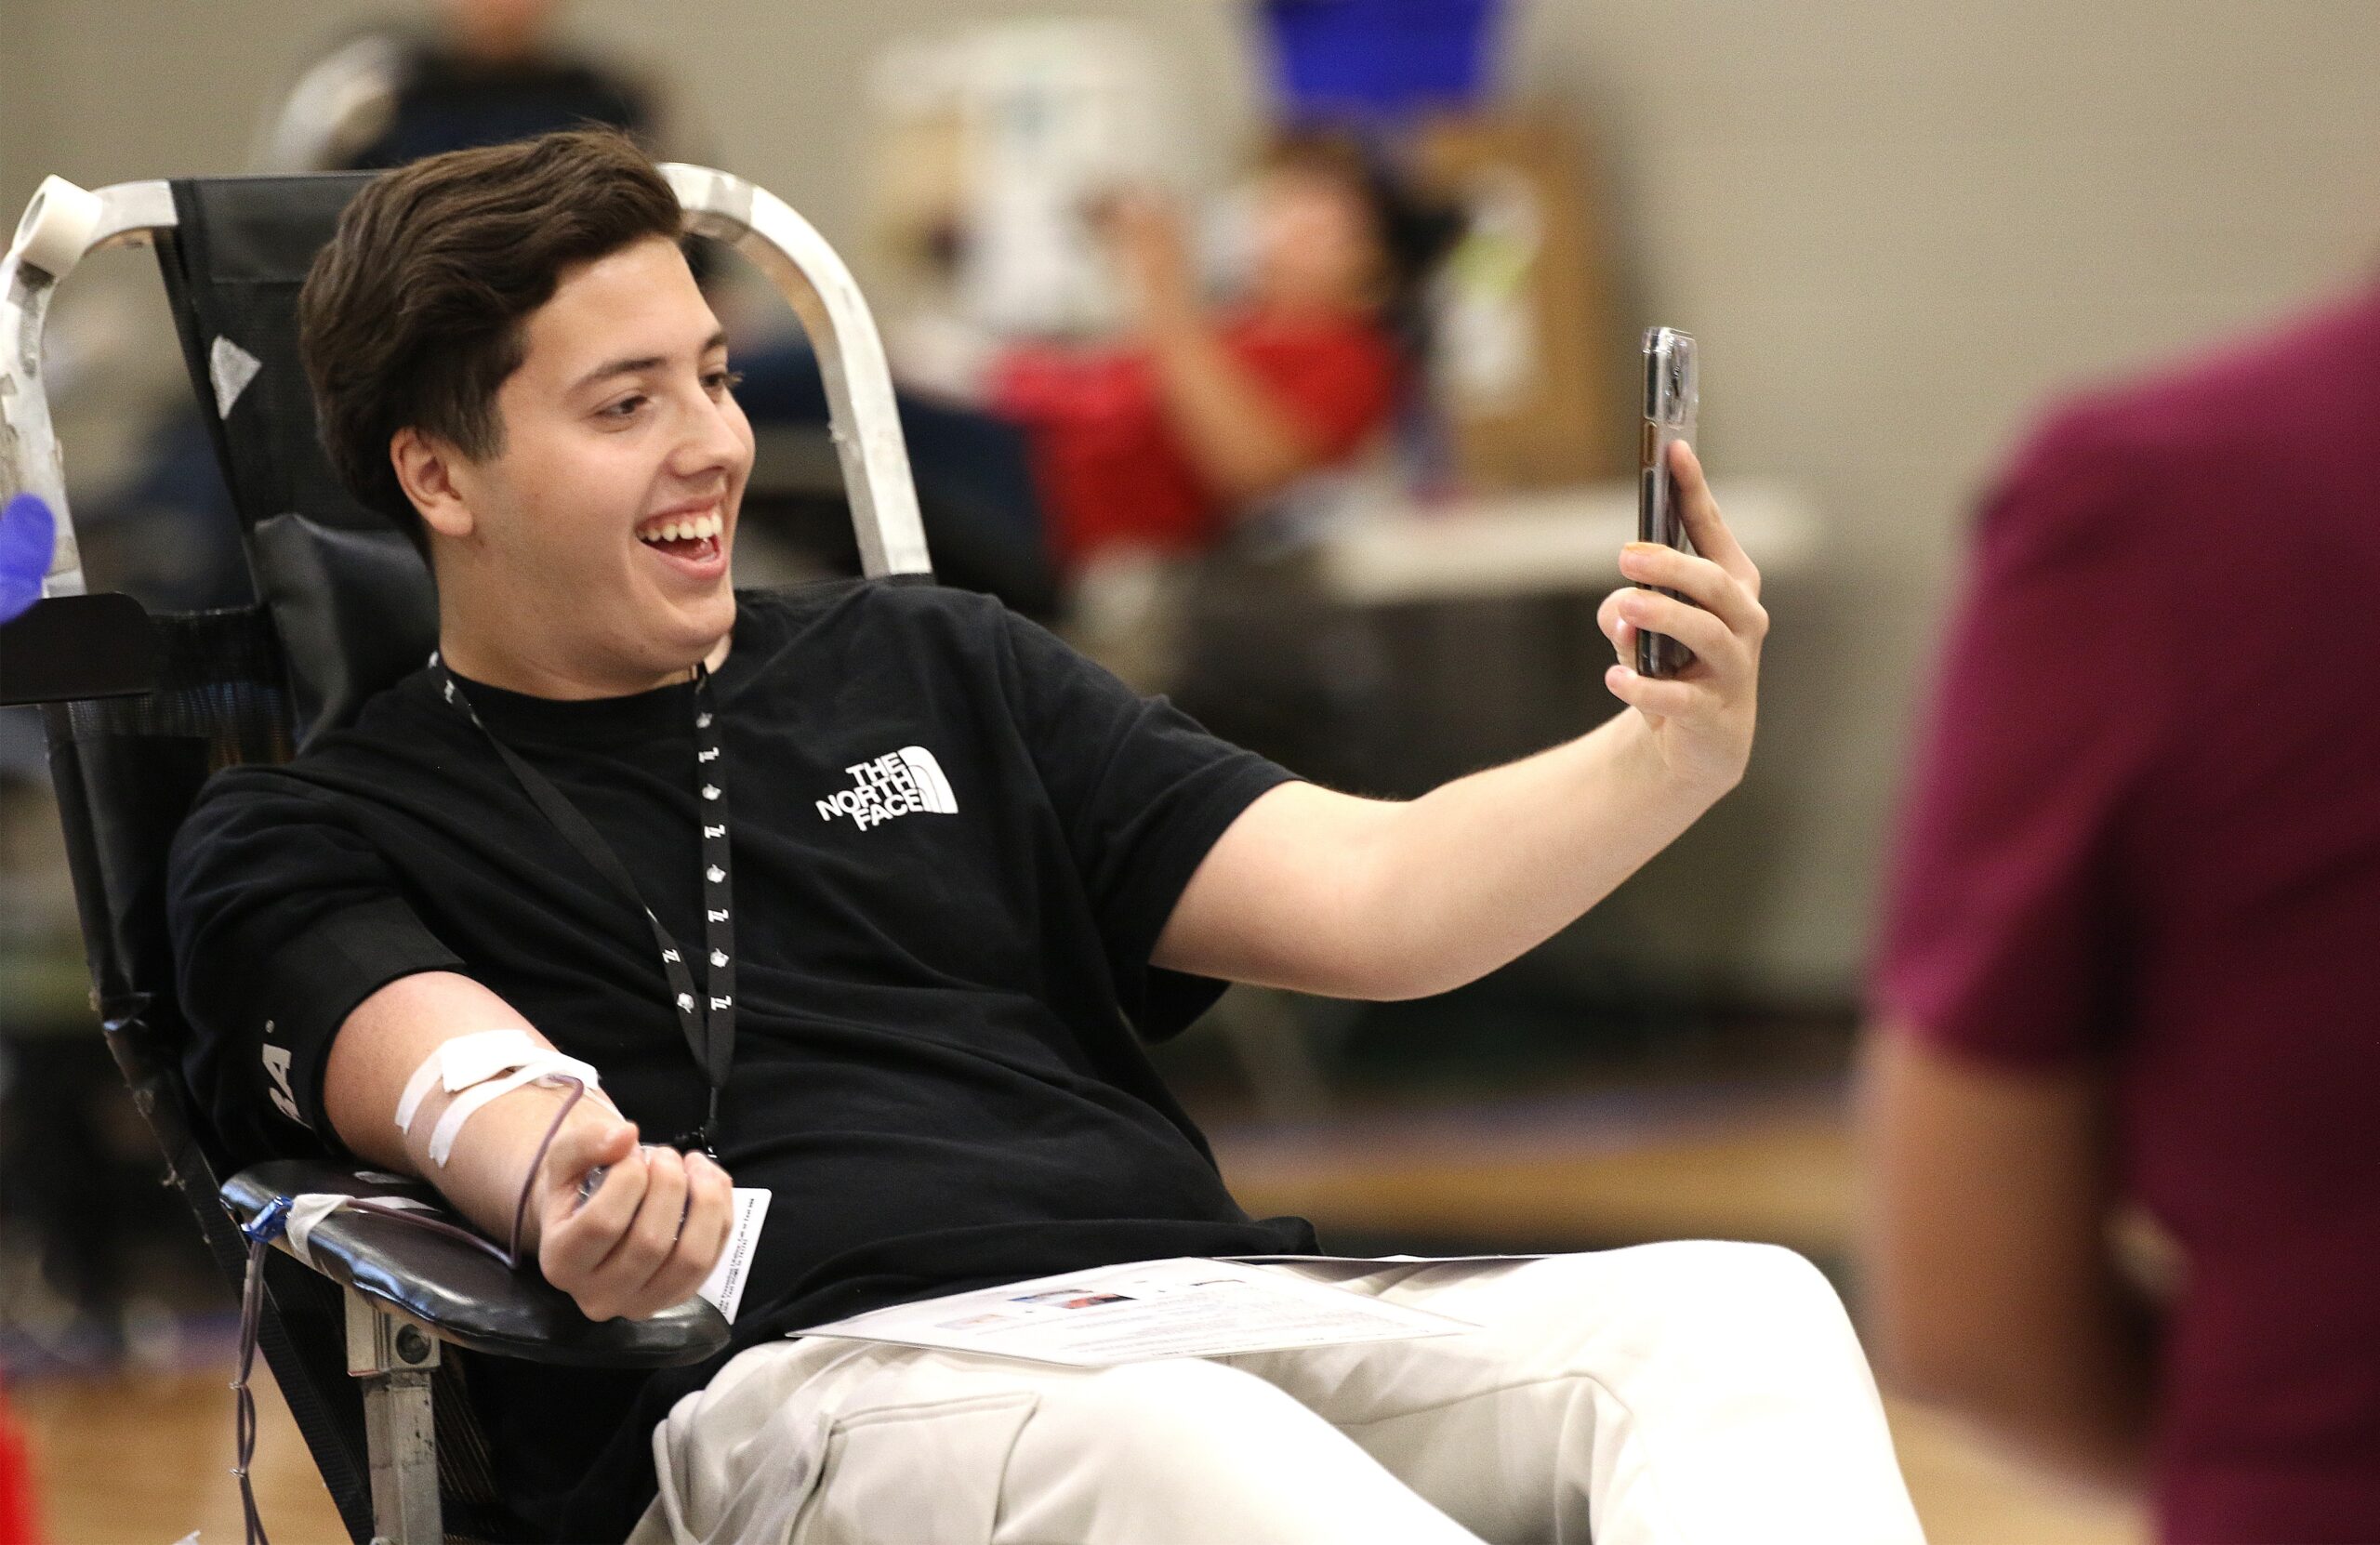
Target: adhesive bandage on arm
column 478, row 1069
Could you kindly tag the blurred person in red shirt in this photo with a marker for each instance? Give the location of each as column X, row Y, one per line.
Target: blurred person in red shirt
column 16, row 1507
column 1162, row 438
column 2129, row 957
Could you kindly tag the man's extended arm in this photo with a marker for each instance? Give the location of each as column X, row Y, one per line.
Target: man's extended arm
column 1328, row 893
column 643, row 1242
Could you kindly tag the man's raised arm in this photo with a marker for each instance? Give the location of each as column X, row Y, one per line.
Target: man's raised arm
column 642, row 1243
column 1328, row 893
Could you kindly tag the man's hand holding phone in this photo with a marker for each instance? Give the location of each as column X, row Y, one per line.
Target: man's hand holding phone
column 1699, row 720
column 648, row 1234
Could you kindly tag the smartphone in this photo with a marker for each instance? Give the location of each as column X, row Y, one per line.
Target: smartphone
column 1671, row 394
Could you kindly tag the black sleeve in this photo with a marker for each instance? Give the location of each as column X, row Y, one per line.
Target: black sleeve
column 1143, row 793
column 284, row 919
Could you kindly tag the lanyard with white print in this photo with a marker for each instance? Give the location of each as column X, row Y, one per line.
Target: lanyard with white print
column 706, row 1018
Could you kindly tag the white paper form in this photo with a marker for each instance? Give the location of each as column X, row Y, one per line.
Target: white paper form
column 1144, row 1311
column 1340, row 1267
column 724, row 1287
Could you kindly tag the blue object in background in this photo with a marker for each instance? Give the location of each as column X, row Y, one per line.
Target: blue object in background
column 28, row 536
column 1376, row 58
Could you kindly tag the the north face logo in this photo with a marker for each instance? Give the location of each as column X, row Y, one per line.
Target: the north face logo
column 898, row 783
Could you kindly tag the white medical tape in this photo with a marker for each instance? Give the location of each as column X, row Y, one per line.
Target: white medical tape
column 309, row 1208
column 549, row 1065
column 462, row 1062
column 478, row 1068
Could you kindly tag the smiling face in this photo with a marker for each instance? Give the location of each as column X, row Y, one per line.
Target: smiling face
column 587, row 555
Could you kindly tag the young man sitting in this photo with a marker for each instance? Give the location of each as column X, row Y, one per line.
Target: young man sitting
column 945, row 875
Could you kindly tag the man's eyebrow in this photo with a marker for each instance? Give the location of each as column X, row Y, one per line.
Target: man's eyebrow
column 643, row 363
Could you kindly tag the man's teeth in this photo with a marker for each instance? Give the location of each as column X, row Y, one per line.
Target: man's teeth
column 692, row 528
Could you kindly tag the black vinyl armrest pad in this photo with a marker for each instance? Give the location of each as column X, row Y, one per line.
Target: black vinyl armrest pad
column 460, row 1294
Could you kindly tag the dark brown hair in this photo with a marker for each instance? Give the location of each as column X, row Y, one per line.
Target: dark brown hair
column 412, row 315
column 1414, row 230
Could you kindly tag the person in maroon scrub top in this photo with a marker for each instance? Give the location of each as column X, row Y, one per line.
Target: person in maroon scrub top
column 2132, row 956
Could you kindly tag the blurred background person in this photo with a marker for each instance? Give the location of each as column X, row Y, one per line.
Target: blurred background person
column 2128, row 959
column 1202, row 412
column 464, row 73
column 1033, row 458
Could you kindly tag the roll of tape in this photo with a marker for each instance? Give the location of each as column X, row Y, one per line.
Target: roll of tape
column 56, row 226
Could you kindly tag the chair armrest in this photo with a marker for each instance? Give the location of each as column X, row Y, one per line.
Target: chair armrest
column 459, row 1294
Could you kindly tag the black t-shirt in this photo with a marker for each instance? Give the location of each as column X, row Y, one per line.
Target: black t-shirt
column 936, row 1071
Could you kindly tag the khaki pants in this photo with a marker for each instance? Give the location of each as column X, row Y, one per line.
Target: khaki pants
column 1704, row 1393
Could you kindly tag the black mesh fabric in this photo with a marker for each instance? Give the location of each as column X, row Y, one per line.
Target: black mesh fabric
column 125, row 770
column 355, row 607
column 130, row 767
column 351, row 600
column 234, row 266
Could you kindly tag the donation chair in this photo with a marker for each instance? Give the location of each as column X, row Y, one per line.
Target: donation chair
column 140, row 709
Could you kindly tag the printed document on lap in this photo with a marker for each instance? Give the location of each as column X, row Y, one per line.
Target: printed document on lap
column 1146, row 1310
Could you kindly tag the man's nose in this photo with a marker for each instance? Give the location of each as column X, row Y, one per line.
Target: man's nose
column 714, row 439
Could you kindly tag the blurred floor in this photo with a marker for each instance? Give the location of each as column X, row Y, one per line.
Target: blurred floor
column 144, row 1457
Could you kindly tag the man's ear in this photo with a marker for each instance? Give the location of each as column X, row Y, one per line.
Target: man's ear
column 430, row 471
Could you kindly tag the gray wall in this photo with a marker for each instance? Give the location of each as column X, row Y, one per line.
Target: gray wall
column 100, row 90
column 1897, row 226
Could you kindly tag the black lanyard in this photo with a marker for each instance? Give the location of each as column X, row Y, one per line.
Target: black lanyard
column 707, row 1018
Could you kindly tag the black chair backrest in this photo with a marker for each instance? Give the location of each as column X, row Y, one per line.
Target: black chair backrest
column 351, row 600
